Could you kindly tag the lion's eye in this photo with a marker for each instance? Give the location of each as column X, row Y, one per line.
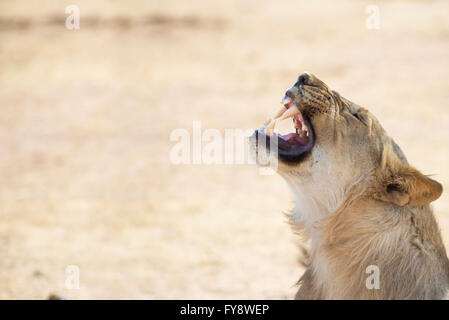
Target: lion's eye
column 362, row 117
column 357, row 116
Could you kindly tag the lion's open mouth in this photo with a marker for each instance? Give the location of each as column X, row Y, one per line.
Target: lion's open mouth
column 294, row 146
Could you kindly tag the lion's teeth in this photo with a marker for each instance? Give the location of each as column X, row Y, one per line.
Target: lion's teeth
column 291, row 112
column 268, row 121
column 270, row 127
column 280, row 112
column 305, row 129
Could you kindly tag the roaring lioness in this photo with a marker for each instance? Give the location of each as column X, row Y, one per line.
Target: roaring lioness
column 361, row 205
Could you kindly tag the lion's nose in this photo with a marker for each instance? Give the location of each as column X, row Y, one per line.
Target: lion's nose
column 303, row 79
column 292, row 92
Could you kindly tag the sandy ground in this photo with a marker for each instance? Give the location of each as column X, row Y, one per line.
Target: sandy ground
column 86, row 115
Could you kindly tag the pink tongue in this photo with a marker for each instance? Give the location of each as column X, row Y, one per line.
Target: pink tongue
column 294, row 138
column 288, row 136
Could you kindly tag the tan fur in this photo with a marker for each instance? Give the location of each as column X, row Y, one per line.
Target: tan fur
column 361, row 204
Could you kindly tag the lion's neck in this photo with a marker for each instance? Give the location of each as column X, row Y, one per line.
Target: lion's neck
column 369, row 236
column 312, row 203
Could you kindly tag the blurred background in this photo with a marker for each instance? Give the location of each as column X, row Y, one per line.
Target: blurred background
column 85, row 173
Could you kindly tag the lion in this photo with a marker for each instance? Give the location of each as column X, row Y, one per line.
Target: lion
column 363, row 209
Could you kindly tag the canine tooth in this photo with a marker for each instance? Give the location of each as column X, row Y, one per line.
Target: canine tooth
column 271, row 124
column 305, row 129
column 280, row 112
column 268, row 121
column 270, row 127
column 291, row 112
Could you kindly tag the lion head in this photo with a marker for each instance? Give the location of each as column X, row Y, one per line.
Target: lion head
column 338, row 150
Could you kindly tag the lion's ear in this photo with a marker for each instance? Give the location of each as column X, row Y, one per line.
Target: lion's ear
column 410, row 187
